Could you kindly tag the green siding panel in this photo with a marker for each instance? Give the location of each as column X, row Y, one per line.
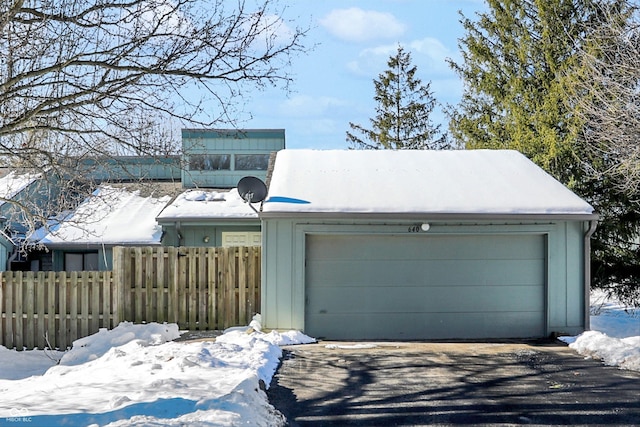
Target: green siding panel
column 228, row 142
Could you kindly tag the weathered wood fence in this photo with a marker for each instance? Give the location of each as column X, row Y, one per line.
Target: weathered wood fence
column 197, row 288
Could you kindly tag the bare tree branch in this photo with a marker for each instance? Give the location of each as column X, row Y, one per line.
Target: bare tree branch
column 105, row 78
column 607, row 98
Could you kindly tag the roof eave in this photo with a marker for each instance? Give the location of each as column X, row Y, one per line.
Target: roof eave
column 426, row 216
column 208, row 219
column 94, row 245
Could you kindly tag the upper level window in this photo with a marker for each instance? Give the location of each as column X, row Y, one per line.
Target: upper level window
column 245, row 162
column 210, row 162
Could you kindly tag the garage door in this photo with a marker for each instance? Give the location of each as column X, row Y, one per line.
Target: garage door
column 424, row 286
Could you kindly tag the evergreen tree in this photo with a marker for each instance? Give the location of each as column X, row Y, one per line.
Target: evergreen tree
column 402, row 115
column 514, row 60
column 521, row 60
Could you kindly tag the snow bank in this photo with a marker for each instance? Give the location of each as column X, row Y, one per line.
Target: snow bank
column 615, row 334
column 134, row 375
column 624, row 352
column 96, row 345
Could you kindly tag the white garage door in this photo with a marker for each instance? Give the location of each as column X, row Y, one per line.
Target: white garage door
column 425, row 286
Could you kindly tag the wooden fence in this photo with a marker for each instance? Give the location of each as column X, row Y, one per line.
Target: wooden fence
column 197, row 288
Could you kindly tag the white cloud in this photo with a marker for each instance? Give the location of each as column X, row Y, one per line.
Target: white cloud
column 358, row 25
column 428, row 54
column 432, row 48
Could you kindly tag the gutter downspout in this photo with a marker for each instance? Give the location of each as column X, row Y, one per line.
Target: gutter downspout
column 13, row 256
column 179, row 232
column 587, row 272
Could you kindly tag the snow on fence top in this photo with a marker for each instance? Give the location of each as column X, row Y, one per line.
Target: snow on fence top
column 416, row 181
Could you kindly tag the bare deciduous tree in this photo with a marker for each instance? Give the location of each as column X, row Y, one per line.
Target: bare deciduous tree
column 607, row 98
column 109, row 77
column 604, row 94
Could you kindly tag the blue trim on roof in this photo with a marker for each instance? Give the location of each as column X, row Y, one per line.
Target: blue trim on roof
column 281, row 199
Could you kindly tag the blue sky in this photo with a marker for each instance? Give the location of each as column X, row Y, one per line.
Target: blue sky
column 354, row 39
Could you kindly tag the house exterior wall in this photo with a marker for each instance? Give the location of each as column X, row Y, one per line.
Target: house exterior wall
column 132, row 168
column 230, row 143
column 5, row 250
column 105, row 257
column 283, row 263
column 202, row 235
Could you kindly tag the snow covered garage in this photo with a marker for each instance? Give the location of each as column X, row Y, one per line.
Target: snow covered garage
column 422, row 245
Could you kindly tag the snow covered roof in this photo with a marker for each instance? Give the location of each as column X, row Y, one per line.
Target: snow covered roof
column 467, row 182
column 110, row 216
column 13, row 183
column 207, row 204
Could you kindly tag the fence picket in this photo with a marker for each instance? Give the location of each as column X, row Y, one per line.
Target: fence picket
column 84, row 304
column 212, row 288
column 19, row 324
column 231, row 289
column 8, row 305
column 149, row 314
column 192, row 288
column 41, row 313
column 50, row 303
column 107, row 294
column 94, row 291
column 73, row 299
column 172, row 297
column 242, row 286
column 160, row 287
column 63, row 302
column 30, row 310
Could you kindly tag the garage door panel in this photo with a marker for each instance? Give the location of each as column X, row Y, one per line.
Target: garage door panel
column 415, row 326
column 425, row 286
column 424, row 246
column 461, row 299
column 426, row 273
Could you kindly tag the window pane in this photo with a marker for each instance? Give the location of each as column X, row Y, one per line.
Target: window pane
column 210, row 162
column 91, row 261
column 245, row 162
column 72, row 262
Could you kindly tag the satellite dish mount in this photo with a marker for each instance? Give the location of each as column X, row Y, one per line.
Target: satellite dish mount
column 252, row 190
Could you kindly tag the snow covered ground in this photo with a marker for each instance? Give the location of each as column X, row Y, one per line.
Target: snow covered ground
column 136, row 375
column 614, row 337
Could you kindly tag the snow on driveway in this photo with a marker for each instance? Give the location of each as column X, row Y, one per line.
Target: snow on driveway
column 136, row 375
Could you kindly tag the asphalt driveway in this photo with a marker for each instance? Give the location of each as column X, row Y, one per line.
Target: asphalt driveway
column 393, row 384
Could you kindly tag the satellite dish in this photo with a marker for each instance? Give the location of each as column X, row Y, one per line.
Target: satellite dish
column 252, row 189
